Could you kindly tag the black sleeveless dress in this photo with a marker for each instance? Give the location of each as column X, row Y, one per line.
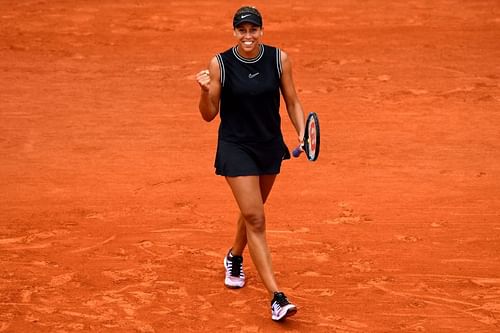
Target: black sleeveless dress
column 250, row 140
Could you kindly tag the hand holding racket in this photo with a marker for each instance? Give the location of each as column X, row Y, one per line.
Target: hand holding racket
column 310, row 144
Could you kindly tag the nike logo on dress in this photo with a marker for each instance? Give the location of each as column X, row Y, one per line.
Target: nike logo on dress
column 243, row 16
column 251, row 76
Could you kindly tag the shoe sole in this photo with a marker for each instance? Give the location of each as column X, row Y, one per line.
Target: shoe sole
column 290, row 312
column 232, row 287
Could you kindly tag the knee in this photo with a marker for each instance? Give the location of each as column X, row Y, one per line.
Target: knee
column 256, row 222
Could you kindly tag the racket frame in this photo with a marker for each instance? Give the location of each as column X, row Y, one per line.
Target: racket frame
column 312, row 155
column 309, row 142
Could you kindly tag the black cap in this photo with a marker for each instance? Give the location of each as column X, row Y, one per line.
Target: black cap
column 247, row 17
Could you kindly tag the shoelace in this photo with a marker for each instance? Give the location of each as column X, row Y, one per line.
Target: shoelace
column 280, row 299
column 236, row 265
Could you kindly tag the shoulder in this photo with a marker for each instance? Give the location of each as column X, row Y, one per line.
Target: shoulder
column 272, row 48
column 214, row 68
column 225, row 53
column 285, row 61
column 214, row 62
column 281, row 55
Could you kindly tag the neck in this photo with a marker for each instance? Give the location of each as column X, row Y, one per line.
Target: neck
column 249, row 55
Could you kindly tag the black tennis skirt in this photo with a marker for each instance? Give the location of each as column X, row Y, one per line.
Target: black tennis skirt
column 250, row 159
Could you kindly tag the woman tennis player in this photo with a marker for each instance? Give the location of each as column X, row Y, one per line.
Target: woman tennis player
column 244, row 85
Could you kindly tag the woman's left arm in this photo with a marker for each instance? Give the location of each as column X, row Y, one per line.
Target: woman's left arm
column 292, row 102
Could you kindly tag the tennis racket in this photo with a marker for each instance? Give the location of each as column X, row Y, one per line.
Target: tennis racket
column 311, row 141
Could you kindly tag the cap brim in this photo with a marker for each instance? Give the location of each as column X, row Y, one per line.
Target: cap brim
column 248, row 20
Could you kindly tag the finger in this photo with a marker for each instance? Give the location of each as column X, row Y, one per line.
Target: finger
column 203, row 79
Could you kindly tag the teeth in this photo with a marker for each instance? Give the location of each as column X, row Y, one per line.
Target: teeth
column 247, row 43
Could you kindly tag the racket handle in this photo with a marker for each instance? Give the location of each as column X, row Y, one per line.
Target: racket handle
column 297, row 151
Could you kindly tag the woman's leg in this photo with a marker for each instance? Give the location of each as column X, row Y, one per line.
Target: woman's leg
column 240, row 240
column 250, row 193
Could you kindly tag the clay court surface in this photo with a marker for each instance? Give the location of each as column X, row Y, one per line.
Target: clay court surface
column 112, row 219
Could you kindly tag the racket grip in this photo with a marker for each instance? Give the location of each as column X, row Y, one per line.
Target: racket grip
column 297, row 151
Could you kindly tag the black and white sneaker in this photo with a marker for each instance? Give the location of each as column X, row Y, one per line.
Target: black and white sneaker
column 235, row 277
column 281, row 307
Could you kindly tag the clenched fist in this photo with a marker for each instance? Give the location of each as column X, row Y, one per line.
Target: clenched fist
column 203, row 79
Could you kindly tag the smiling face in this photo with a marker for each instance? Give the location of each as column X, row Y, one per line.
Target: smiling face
column 248, row 36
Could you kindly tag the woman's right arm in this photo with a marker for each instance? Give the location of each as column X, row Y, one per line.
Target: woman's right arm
column 209, row 81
